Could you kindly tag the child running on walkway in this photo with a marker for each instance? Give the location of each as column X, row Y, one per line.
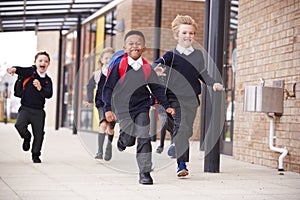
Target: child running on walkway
column 36, row 90
column 127, row 93
column 104, row 126
column 187, row 68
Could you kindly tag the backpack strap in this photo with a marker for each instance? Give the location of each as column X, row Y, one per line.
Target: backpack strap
column 146, row 69
column 169, row 75
column 27, row 79
column 116, row 58
column 124, row 65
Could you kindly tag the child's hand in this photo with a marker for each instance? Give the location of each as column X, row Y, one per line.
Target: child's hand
column 217, row 87
column 11, row 71
column 88, row 104
column 171, row 111
column 160, row 71
column 110, row 116
column 37, row 84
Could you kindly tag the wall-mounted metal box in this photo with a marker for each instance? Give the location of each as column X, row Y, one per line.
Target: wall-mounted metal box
column 263, row 99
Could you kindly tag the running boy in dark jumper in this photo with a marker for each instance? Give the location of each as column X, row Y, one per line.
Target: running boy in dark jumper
column 187, row 68
column 36, row 90
column 127, row 93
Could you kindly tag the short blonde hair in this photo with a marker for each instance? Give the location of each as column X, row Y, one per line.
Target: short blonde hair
column 183, row 19
column 104, row 51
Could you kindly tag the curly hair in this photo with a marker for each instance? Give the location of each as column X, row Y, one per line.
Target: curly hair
column 183, row 19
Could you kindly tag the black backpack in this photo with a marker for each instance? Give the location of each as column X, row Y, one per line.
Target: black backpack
column 20, row 85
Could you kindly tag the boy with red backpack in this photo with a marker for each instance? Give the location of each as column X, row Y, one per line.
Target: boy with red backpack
column 126, row 96
column 37, row 89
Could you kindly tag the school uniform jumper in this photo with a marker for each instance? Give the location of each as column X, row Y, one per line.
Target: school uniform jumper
column 184, row 86
column 129, row 98
column 98, row 98
column 100, row 107
column 32, row 108
column 92, row 84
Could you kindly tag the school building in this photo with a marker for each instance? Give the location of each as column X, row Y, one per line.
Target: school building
column 260, row 68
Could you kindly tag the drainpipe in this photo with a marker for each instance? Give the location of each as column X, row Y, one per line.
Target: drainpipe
column 283, row 151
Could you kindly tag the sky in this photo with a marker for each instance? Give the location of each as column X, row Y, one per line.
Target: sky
column 17, row 48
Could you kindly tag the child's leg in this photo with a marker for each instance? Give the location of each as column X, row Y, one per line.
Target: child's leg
column 170, row 127
column 126, row 136
column 22, row 123
column 110, row 135
column 101, row 134
column 37, row 122
column 183, row 128
column 144, row 148
column 163, row 129
column 101, row 138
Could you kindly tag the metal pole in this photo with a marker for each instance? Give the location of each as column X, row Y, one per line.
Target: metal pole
column 58, row 99
column 5, row 103
column 77, row 64
column 204, row 95
column 156, row 54
column 157, row 24
column 215, row 50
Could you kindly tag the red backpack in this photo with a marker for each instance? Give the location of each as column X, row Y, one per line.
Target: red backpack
column 124, row 65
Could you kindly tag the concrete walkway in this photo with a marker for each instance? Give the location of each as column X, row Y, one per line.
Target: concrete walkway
column 69, row 172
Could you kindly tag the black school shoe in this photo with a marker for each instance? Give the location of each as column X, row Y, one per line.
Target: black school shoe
column 146, row 179
column 36, row 158
column 26, row 144
column 159, row 149
column 120, row 145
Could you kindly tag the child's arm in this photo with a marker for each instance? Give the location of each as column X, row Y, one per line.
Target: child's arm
column 158, row 92
column 166, row 59
column 90, row 89
column 170, row 111
column 210, row 81
column 11, row 70
column 110, row 116
column 46, row 90
column 160, row 71
column 109, row 85
column 217, row 87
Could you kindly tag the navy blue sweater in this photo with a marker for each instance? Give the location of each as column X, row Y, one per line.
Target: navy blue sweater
column 31, row 97
column 131, row 96
column 98, row 98
column 186, row 73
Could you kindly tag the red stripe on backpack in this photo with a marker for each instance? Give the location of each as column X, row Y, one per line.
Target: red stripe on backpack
column 124, row 65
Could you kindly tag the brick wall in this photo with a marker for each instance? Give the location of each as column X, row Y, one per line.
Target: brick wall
column 268, row 46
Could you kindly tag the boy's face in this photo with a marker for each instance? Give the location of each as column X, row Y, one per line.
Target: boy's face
column 42, row 63
column 185, row 36
column 134, row 46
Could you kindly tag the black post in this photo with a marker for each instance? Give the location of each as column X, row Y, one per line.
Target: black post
column 5, row 117
column 157, row 25
column 58, row 99
column 215, row 51
column 156, row 54
column 204, row 94
column 77, row 64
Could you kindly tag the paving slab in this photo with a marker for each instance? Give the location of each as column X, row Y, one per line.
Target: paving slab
column 69, row 171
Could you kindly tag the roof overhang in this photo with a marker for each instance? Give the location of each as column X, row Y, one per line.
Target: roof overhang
column 46, row 15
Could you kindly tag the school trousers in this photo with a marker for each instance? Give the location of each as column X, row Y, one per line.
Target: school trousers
column 137, row 129
column 36, row 118
column 183, row 126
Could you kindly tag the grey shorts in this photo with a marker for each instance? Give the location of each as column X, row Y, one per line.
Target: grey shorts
column 102, row 118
